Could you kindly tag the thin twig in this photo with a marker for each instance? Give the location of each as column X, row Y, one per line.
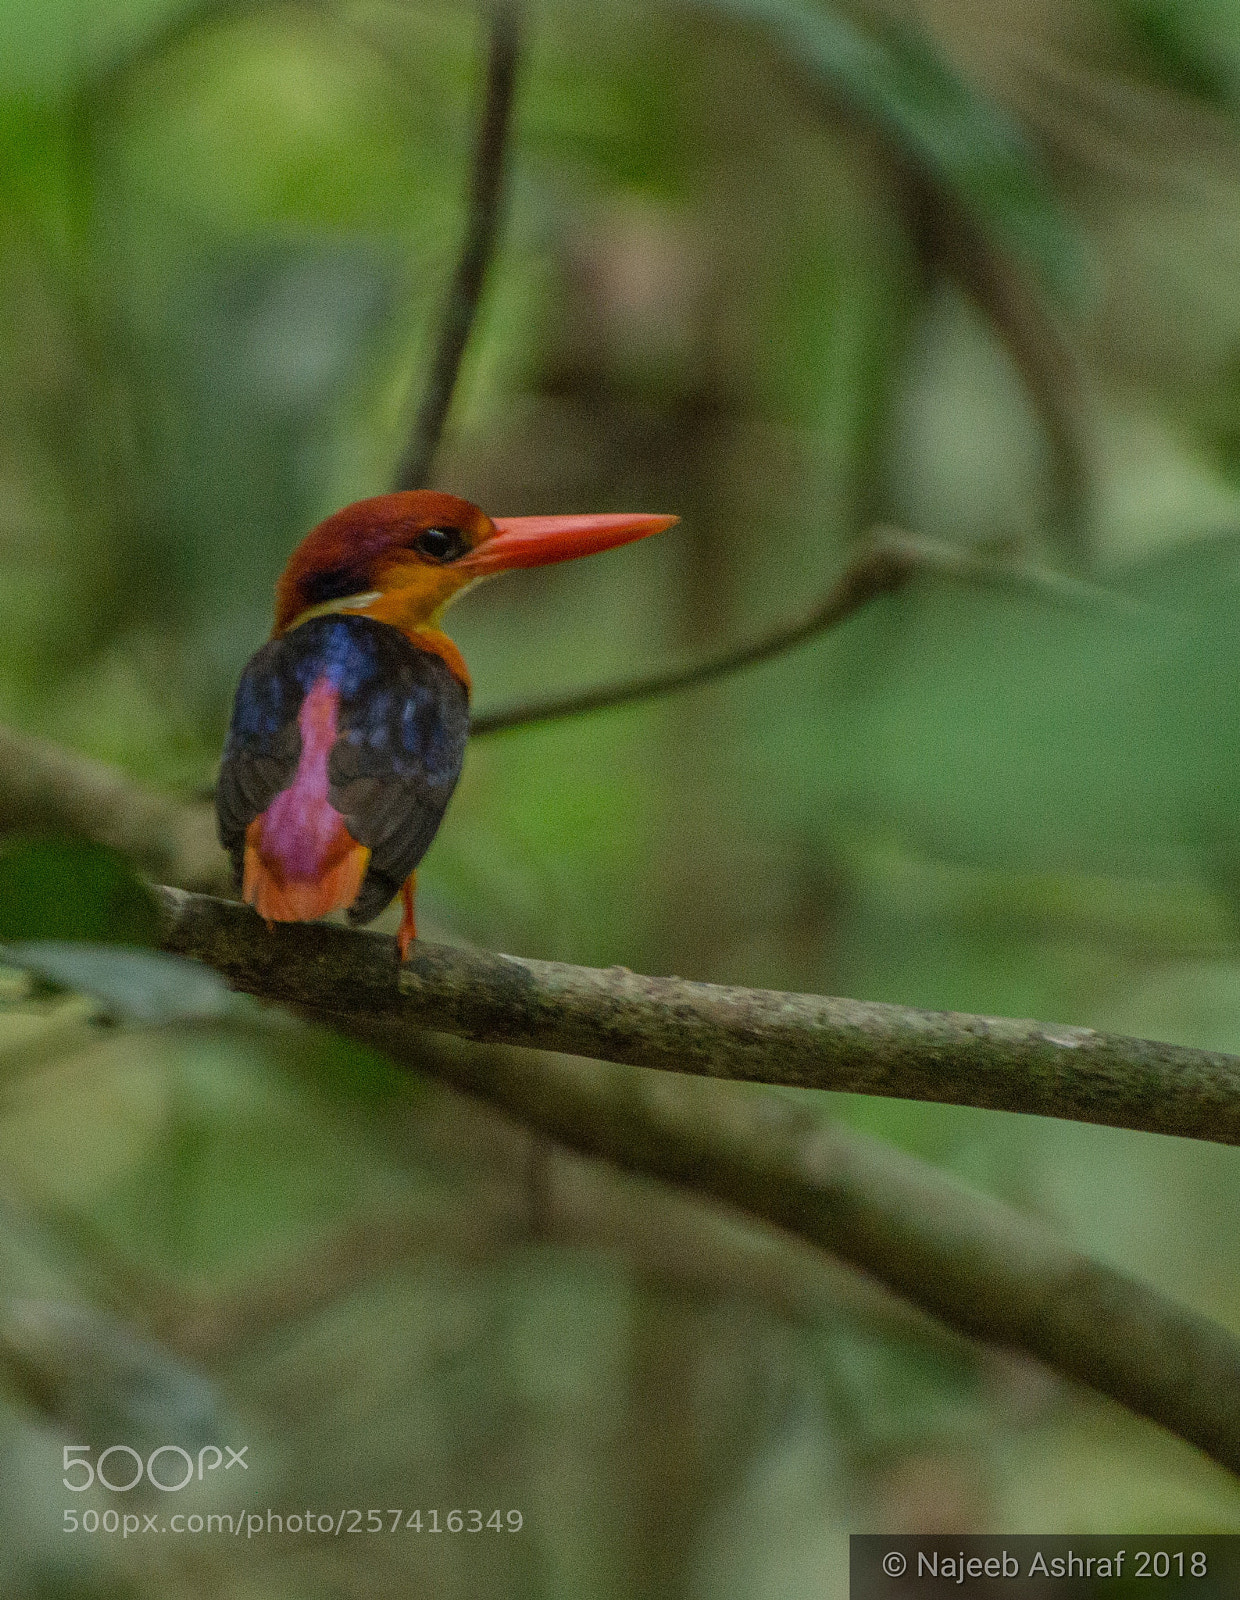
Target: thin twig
column 477, row 248
column 887, row 561
column 752, row 1035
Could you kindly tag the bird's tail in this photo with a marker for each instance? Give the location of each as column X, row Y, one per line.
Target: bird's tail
column 278, row 897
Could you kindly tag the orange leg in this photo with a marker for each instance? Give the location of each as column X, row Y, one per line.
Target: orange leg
column 407, row 932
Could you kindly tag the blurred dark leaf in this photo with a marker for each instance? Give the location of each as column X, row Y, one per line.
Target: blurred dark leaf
column 963, row 142
column 139, row 985
column 71, row 889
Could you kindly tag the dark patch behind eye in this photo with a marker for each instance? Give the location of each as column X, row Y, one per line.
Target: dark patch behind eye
column 336, row 583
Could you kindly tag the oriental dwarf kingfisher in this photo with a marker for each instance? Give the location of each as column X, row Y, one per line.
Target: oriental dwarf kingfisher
column 349, row 726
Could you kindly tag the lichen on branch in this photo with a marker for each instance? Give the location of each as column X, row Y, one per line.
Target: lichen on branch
column 755, row 1035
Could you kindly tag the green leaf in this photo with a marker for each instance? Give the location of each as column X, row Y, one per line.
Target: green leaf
column 140, row 985
column 72, row 889
column 962, row 141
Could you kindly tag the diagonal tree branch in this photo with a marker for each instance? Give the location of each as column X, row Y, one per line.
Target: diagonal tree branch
column 751, row 1035
column 978, row 1265
column 477, row 248
column 885, row 563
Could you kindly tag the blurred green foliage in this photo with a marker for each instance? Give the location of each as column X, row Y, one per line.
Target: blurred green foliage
column 68, row 889
column 727, row 288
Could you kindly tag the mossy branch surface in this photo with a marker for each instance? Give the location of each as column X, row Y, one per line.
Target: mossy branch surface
column 754, row 1035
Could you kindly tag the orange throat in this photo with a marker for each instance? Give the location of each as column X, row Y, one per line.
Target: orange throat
column 438, row 644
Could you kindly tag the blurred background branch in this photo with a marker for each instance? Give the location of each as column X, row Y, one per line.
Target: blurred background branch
column 46, row 787
column 1016, row 305
column 979, row 207
column 981, row 1267
column 486, row 198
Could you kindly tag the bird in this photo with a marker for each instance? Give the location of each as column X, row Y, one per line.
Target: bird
column 349, row 725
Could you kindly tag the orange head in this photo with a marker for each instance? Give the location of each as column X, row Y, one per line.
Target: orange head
column 400, row 558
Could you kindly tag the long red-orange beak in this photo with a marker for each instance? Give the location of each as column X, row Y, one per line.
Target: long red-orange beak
column 537, row 541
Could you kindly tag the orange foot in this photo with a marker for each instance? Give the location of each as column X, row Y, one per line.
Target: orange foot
column 407, row 932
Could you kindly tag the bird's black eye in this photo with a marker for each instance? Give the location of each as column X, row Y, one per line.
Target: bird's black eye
column 441, row 544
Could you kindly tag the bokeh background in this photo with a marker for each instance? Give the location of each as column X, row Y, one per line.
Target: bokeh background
column 790, row 270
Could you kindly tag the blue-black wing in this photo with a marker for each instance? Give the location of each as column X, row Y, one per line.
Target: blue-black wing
column 398, row 754
column 263, row 745
column 402, row 722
